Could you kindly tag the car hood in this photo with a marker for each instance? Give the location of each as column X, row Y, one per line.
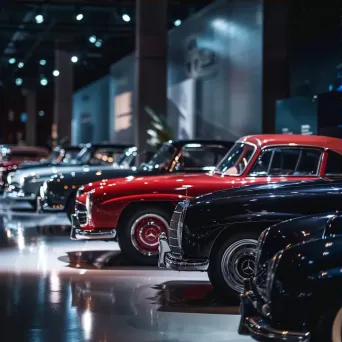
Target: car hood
column 44, row 171
column 97, row 175
column 259, row 189
column 292, row 232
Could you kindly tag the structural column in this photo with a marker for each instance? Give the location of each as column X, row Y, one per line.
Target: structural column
column 63, row 94
column 151, row 59
column 31, row 111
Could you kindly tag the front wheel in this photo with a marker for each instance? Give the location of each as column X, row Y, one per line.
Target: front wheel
column 232, row 262
column 138, row 234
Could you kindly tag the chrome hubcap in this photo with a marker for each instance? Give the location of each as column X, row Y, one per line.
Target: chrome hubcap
column 238, row 263
column 145, row 231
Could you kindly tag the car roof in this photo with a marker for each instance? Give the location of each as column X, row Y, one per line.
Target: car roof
column 263, row 140
column 180, row 143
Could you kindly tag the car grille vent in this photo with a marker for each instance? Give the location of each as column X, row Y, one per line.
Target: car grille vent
column 81, row 212
column 174, row 230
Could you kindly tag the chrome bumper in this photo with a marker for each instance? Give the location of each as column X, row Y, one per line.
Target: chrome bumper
column 253, row 324
column 80, row 234
column 166, row 259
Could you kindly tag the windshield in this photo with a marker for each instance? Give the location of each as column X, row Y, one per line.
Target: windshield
column 237, row 159
column 70, row 156
column 83, row 156
column 126, row 160
column 53, row 156
column 161, row 159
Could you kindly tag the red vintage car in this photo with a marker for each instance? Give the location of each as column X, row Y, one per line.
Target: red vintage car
column 139, row 208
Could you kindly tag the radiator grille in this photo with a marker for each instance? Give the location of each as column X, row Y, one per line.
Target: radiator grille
column 81, row 212
column 176, row 226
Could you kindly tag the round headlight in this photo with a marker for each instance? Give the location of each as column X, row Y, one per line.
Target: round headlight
column 45, row 186
column 9, row 179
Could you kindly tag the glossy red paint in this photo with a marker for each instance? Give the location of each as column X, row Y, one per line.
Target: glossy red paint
column 112, row 197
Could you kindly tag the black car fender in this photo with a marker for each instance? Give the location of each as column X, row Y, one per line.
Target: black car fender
column 256, row 225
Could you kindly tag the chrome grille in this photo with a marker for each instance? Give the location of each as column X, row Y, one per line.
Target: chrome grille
column 176, row 226
column 81, row 212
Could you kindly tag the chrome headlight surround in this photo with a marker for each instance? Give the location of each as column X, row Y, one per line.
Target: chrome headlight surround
column 9, row 179
column 272, row 268
column 89, row 204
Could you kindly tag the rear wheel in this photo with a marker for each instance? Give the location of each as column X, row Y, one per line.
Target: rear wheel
column 138, row 234
column 232, row 262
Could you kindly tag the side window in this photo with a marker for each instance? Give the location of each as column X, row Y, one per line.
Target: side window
column 334, row 164
column 287, row 162
column 260, row 168
column 200, row 157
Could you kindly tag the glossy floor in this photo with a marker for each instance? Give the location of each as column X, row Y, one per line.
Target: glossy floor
column 54, row 289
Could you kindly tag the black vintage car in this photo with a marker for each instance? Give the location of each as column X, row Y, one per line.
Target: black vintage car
column 24, row 184
column 218, row 232
column 58, row 194
column 296, row 292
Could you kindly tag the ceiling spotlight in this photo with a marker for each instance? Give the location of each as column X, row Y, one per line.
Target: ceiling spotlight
column 12, row 60
column 39, row 19
column 98, row 43
column 74, row 59
column 42, row 62
column 55, row 73
column 79, row 16
column 41, row 113
column 92, row 39
column 177, row 22
column 43, row 81
column 19, row 81
column 20, row 65
column 126, row 18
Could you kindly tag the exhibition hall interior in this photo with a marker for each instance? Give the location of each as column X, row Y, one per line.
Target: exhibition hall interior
column 170, row 171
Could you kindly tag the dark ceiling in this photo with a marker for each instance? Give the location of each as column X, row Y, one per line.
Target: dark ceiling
column 29, row 42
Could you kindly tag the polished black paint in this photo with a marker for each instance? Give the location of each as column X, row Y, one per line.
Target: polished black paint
column 62, row 187
column 307, row 284
column 212, row 218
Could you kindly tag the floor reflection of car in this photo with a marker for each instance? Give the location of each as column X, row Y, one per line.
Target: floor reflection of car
column 140, row 208
column 24, row 185
column 146, row 303
column 296, row 292
column 58, row 194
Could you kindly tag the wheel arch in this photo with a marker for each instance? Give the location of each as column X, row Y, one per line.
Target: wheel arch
column 132, row 207
column 236, row 228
